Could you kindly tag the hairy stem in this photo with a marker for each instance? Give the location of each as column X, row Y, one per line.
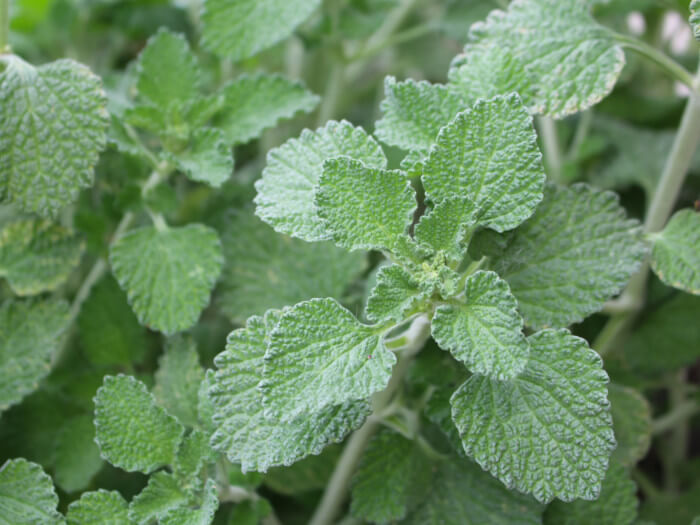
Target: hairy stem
column 4, row 27
column 337, row 488
column 552, row 147
column 660, row 208
column 662, row 60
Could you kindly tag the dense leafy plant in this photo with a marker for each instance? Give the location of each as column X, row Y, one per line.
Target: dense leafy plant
column 408, row 311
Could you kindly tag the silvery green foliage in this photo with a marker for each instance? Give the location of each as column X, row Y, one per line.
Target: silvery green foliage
column 695, row 17
column 53, row 123
column 27, row 494
column 101, row 506
column 675, row 256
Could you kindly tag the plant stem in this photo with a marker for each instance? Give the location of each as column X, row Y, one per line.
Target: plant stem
column 552, row 148
column 4, row 27
column 337, row 488
column 682, row 412
column 331, row 97
column 657, row 57
column 582, row 129
column 660, row 208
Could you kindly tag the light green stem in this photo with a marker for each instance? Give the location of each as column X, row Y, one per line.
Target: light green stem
column 337, row 488
column 552, row 148
column 657, row 57
column 679, row 414
column 4, row 27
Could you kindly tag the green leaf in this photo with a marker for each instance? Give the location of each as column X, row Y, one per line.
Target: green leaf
column 162, row 494
column 307, row 475
column 133, row 433
column 193, row 454
column 484, row 331
column 37, row 256
column 675, row 256
column 666, row 338
column 30, row 332
column 392, row 474
column 414, row 112
column 364, row 208
column 27, row 494
column 53, row 124
column 561, row 274
column 109, row 332
column 570, row 65
column 617, row 504
column 77, row 458
column 202, row 515
column 208, row 158
column 253, row 103
column 394, row 296
column 286, row 191
column 547, row 432
column 695, row 18
column 489, row 154
column 462, row 494
column 101, row 506
column 238, row 29
column 168, row 275
column 320, row 355
column 266, row 270
column 167, row 71
column 250, row 512
column 447, row 226
column 178, row 378
column 238, row 408
column 631, row 416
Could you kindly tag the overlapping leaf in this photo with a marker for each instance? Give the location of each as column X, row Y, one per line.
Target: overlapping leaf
column 285, row 197
column 133, row 433
column 101, row 506
column 27, row 494
column 168, row 274
column 243, row 433
column 394, row 295
column 30, row 332
column 695, row 17
column 547, row 432
column 447, row 226
column 37, row 256
column 320, row 356
column 675, row 256
column 484, row 331
column 631, row 415
column 577, row 251
column 208, row 158
column 489, row 154
column 162, row 494
column 76, row 458
column 556, row 49
column 238, row 29
column 53, row 124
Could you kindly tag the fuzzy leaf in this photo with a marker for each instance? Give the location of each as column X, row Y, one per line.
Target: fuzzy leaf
column 364, row 208
column 567, row 60
column 109, row 332
column 101, row 506
column 463, row 494
column 27, row 495
column 162, row 494
column 394, row 295
column 695, row 18
column 675, row 256
column 208, row 158
column 446, row 227
column 53, row 124
column 193, row 454
column 178, row 378
column 631, row 416
column 266, row 270
column 484, row 332
column 285, row 197
column 253, row 103
column 167, row 71
column 202, row 515
column 168, row 275
column 243, row 433
column 617, row 504
column 414, row 112
column 238, row 29
column 37, row 256
column 133, row 433
column 76, row 458
column 489, row 154
column 30, row 332
column 320, row 355
column 575, row 253
column 547, row 432
column 392, row 474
